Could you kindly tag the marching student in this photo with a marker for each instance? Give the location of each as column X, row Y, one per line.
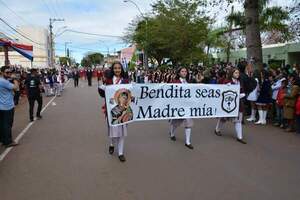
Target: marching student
column 234, row 79
column 188, row 123
column 116, row 134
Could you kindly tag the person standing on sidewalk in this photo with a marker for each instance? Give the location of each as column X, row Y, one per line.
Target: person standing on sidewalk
column 34, row 87
column 7, row 106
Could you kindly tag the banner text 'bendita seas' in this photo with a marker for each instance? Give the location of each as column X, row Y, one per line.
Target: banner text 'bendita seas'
column 139, row 102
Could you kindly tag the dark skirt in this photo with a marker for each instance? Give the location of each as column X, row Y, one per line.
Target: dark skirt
column 265, row 96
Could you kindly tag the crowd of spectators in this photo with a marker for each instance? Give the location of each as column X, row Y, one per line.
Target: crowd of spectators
column 273, row 95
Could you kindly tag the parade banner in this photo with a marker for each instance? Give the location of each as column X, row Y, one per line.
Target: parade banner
column 139, row 102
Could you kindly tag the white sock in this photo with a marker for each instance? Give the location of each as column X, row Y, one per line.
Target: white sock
column 188, row 132
column 253, row 113
column 172, row 130
column 238, row 130
column 260, row 113
column 219, row 125
column 265, row 116
column 121, row 141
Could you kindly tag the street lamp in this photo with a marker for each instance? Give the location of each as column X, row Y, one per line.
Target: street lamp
column 130, row 1
column 60, row 31
column 145, row 57
column 66, row 43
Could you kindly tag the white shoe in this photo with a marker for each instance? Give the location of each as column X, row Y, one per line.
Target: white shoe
column 263, row 122
column 258, row 122
column 250, row 119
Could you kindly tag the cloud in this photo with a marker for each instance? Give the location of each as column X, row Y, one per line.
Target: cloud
column 107, row 17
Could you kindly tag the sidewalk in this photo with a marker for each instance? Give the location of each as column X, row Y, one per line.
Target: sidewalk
column 21, row 118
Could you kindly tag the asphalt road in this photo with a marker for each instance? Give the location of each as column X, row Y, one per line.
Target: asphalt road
column 65, row 156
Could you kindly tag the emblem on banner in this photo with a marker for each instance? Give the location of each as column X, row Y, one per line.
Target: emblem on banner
column 229, row 99
column 122, row 112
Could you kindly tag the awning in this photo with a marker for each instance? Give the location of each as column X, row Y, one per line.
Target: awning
column 24, row 50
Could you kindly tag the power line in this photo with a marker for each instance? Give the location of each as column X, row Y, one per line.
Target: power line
column 58, row 8
column 48, row 8
column 53, row 7
column 23, row 35
column 3, row 3
column 94, row 34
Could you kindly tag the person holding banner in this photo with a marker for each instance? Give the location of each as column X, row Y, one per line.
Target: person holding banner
column 235, row 75
column 116, row 134
column 188, row 123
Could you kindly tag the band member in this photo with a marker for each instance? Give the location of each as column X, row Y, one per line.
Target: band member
column 188, row 123
column 75, row 75
column 89, row 75
column 234, row 79
column 116, row 134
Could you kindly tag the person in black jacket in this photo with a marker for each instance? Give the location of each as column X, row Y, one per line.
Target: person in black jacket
column 75, row 75
column 89, row 75
column 34, row 87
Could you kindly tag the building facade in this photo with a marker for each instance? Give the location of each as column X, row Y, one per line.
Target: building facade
column 276, row 54
column 41, row 48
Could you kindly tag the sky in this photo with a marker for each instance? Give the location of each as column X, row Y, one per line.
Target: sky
column 104, row 17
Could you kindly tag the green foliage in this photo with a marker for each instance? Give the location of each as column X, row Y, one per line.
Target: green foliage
column 270, row 19
column 91, row 59
column 132, row 63
column 176, row 30
column 64, row 60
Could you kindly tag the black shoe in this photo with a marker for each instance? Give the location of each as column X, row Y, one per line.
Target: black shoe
column 189, row 146
column 241, row 141
column 218, row 133
column 173, row 138
column 111, row 149
column 39, row 117
column 122, row 158
column 11, row 145
column 31, row 119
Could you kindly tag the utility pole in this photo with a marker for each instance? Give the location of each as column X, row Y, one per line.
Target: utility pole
column 52, row 20
column 66, row 50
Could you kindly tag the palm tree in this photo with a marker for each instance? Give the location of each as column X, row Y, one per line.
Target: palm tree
column 256, row 19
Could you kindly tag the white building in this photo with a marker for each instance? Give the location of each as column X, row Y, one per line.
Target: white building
column 41, row 47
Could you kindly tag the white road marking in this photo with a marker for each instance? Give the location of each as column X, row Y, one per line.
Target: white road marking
column 53, row 104
column 18, row 138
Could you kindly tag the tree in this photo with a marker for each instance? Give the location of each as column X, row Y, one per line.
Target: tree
column 215, row 39
column 64, row 60
column 258, row 20
column 294, row 23
column 253, row 40
column 176, row 30
column 91, row 59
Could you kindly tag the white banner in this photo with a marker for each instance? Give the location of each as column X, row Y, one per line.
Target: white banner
column 138, row 102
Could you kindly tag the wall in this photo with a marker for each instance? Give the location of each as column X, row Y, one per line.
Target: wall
column 40, row 51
